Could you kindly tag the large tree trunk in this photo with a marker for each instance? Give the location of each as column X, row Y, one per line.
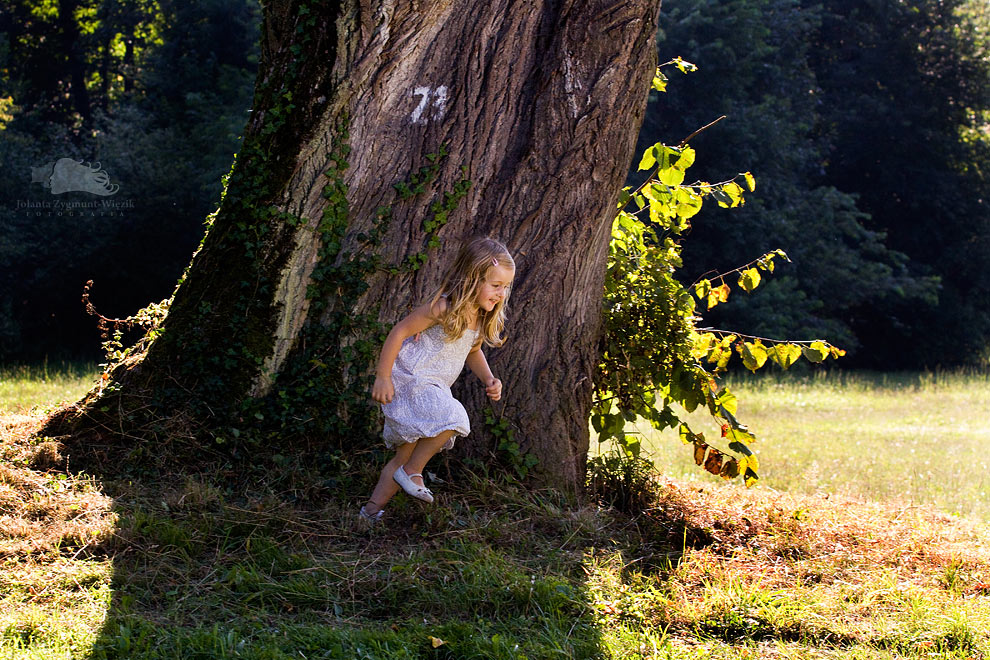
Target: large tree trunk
column 536, row 104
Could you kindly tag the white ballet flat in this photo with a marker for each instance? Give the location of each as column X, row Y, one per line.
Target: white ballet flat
column 407, row 484
column 371, row 517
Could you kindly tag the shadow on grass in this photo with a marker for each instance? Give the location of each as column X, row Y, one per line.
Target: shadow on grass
column 488, row 571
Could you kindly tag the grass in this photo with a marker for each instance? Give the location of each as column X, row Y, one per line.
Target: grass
column 192, row 566
column 905, row 438
column 23, row 387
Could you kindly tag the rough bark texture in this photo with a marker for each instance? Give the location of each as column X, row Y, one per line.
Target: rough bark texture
column 541, row 101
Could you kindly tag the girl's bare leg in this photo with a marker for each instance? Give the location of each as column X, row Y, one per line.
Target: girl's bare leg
column 424, row 450
column 386, row 488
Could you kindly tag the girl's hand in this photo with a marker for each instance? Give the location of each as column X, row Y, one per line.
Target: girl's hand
column 493, row 389
column 382, row 391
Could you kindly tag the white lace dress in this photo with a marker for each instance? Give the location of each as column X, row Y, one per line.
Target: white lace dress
column 424, row 370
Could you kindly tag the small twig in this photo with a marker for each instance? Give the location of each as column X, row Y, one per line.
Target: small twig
column 706, row 126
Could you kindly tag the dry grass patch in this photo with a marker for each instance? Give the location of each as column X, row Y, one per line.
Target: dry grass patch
column 45, row 512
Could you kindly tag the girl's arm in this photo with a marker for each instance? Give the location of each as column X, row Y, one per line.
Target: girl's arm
column 479, row 365
column 417, row 321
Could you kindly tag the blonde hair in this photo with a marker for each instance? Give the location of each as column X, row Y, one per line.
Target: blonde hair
column 460, row 285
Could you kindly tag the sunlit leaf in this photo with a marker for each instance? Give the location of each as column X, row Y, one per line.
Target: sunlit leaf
column 649, row 158
column 785, row 354
column 754, row 355
column 816, row 352
column 671, row 176
column 702, row 288
column 687, row 158
column 750, row 181
column 659, row 81
column 727, row 400
column 749, row 279
column 722, row 198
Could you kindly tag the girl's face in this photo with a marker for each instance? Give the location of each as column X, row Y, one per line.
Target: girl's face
column 494, row 287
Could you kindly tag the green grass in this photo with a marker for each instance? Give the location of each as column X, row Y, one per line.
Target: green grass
column 195, row 566
column 23, row 387
column 914, row 439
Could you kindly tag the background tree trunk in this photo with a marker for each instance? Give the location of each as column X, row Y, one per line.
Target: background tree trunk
column 537, row 105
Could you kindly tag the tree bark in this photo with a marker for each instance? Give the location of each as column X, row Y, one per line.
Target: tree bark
column 537, row 104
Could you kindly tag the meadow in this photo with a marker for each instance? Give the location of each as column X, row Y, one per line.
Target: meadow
column 904, row 438
column 197, row 565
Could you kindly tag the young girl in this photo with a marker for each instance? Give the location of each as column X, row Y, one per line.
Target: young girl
column 422, row 357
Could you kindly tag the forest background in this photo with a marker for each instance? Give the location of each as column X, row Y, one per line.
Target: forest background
column 867, row 125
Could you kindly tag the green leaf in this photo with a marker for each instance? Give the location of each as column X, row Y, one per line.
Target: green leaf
column 749, row 280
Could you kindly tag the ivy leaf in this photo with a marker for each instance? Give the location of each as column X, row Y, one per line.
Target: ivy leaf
column 785, row 354
column 816, row 352
column 749, row 279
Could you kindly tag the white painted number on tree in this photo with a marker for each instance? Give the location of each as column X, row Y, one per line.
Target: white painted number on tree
column 432, row 104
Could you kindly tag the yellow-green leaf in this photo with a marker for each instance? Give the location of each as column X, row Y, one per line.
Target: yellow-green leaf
column 649, row 158
column 671, row 176
column 659, row 81
column 785, row 354
column 754, row 355
column 687, row 158
column 749, row 279
column 816, row 352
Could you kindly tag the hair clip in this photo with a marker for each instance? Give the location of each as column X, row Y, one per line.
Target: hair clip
column 494, row 261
